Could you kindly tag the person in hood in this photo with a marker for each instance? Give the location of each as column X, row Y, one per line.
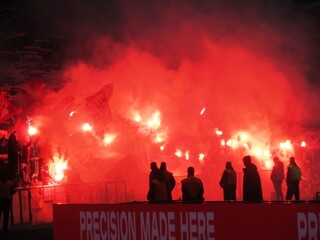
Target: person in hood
column 169, row 178
column 228, row 182
column 252, row 190
column 293, row 179
column 277, row 176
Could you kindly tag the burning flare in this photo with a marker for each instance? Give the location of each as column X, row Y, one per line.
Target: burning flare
column 57, row 167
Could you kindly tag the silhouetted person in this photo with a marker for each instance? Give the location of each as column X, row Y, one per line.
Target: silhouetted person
column 192, row 188
column 277, row 176
column 3, row 151
column 158, row 190
column 229, row 182
column 169, row 177
column 293, row 180
column 154, row 168
column 7, row 188
column 252, row 190
column 13, row 155
column 34, row 160
column 24, row 175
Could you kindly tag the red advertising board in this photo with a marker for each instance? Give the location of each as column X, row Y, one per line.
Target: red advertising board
column 177, row 221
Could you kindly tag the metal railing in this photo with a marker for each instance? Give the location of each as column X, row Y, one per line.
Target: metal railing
column 34, row 204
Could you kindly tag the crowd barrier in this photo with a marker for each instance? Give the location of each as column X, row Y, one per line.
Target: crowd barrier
column 34, row 204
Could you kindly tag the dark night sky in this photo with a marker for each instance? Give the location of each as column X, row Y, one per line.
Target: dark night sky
column 123, row 21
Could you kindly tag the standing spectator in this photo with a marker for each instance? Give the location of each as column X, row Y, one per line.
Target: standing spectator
column 229, row 182
column 252, row 190
column 293, row 180
column 13, row 155
column 277, row 176
column 192, row 188
column 7, row 188
column 34, row 160
column 154, row 168
column 158, row 190
column 3, row 151
column 169, row 178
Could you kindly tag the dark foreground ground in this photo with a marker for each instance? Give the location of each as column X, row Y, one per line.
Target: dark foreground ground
column 29, row 232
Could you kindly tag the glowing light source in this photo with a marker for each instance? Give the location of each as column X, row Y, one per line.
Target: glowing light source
column 303, row 144
column 155, row 121
column 268, row 164
column 72, row 113
column 218, row 132
column 137, row 117
column 178, row 153
column 246, row 146
column 243, row 136
column 201, row 157
column 286, row 144
column 267, row 153
column 108, row 138
column 187, row 155
column 87, row 127
column 160, row 137
column 202, row 111
column 32, row 130
column 229, row 143
column 257, row 152
column 58, row 167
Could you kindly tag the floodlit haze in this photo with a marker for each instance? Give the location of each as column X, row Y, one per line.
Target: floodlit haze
column 245, row 62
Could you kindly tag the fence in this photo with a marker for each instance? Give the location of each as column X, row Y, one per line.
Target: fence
column 34, row 204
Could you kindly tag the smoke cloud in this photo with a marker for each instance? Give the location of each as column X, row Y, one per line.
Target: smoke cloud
column 245, row 62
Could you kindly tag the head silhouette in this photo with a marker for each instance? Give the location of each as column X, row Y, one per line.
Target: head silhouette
column 190, row 171
column 163, row 166
column 229, row 165
column 153, row 166
column 292, row 160
column 247, row 160
column 276, row 159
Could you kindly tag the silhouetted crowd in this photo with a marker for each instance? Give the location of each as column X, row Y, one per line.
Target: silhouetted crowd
column 22, row 161
column 162, row 182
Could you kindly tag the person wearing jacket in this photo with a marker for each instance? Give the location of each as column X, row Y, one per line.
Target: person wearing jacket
column 192, row 188
column 228, row 182
column 169, row 178
column 158, row 189
column 277, row 177
column 293, row 180
column 252, row 190
column 7, row 188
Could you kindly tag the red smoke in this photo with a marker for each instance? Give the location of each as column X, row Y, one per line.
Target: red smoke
column 244, row 69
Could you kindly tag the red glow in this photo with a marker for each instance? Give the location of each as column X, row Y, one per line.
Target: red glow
column 137, row 118
column 218, row 132
column 248, row 86
column 86, row 127
column 178, row 153
column 201, row 157
column 32, row 130
column 57, row 167
column 154, row 121
column 108, row 138
column 187, row 155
